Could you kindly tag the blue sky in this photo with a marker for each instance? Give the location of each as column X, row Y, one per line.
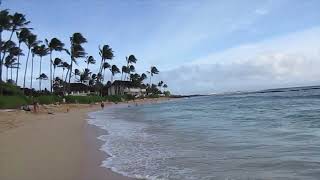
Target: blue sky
column 200, row 46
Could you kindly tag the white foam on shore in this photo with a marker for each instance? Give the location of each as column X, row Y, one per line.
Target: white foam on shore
column 133, row 152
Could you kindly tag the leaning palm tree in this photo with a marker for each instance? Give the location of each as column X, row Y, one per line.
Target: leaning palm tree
column 165, row 86
column 90, row 60
column 64, row 65
column 153, row 71
column 104, row 67
column 114, row 70
column 42, row 77
column 17, row 22
column 41, row 52
column 5, row 24
column 56, row 63
column 54, row 45
column 8, row 63
column 124, row 70
column 76, row 73
column 76, row 50
column 105, row 53
column 130, row 60
column 31, row 41
column 22, row 38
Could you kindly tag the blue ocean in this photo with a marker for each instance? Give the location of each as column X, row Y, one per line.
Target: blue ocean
column 273, row 134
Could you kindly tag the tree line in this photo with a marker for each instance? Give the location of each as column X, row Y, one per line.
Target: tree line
column 11, row 54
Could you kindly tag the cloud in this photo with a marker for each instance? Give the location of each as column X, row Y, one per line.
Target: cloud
column 291, row 60
column 261, row 11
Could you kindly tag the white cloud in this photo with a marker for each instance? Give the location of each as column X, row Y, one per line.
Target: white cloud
column 284, row 61
column 261, row 11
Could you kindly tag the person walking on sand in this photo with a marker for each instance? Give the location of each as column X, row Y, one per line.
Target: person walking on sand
column 102, row 105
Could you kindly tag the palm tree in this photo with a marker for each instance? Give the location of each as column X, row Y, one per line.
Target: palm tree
column 54, row 45
column 64, row 65
column 160, row 85
column 42, row 50
column 130, row 60
column 76, row 73
column 17, row 22
column 90, row 60
column 8, row 63
column 56, row 62
column 76, row 50
column 22, row 38
column 125, row 70
column 104, row 67
column 143, row 77
column 4, row 25
column 153, row 70
column 41, row 77
column 105, row 53
column 165, row 86
column 114, row 70
column 31, row 41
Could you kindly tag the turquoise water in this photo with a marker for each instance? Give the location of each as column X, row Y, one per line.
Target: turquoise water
column 269, row 135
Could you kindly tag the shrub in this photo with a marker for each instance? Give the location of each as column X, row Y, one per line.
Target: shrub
column 47, row 99
column 114, row 98
column 84, row 99
column 13, row 101
column 8, row 89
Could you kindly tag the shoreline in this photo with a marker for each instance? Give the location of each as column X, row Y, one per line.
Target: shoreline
column 55, row 143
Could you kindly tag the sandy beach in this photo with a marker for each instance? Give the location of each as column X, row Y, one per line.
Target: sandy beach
column 59, row 145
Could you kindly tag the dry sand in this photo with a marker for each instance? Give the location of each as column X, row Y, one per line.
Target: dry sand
column 59, row 146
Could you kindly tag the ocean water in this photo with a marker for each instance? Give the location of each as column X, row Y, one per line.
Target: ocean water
column 266, row 135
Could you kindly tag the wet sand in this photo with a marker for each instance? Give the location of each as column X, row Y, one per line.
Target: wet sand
column 51, row 146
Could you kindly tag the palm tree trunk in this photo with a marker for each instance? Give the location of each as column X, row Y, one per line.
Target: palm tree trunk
column 62, row 74
column 11, row 73
column 121, row 75
column 17, row 72
column 50, row 71
column 31, row 70
column 71, row 64
column 4, row 52
column 150, row 80
column 40, row 73
column 1, row 62
column 7, row 74
column 111, row 78
column 25, row 70
column 54, row 72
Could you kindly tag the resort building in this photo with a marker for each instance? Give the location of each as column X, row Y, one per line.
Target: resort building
column 79, row 89
column 125, row 87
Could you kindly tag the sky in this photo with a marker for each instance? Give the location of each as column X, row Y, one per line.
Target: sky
column 204, row 46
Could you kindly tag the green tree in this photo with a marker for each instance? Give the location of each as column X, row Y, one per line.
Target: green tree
column 90, row 60
column 106, row 53
column 56, row 63
column 5, row 25
column 31, row 42
column 54, row 45
column 76, row 50
column 153, row 71
column 114, row 70
column 104, row 67
column 17, row 22
column 41, row 51
column 22, row 37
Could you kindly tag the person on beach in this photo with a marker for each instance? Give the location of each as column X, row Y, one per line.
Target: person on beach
column 35, row 107
column 102, row 105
